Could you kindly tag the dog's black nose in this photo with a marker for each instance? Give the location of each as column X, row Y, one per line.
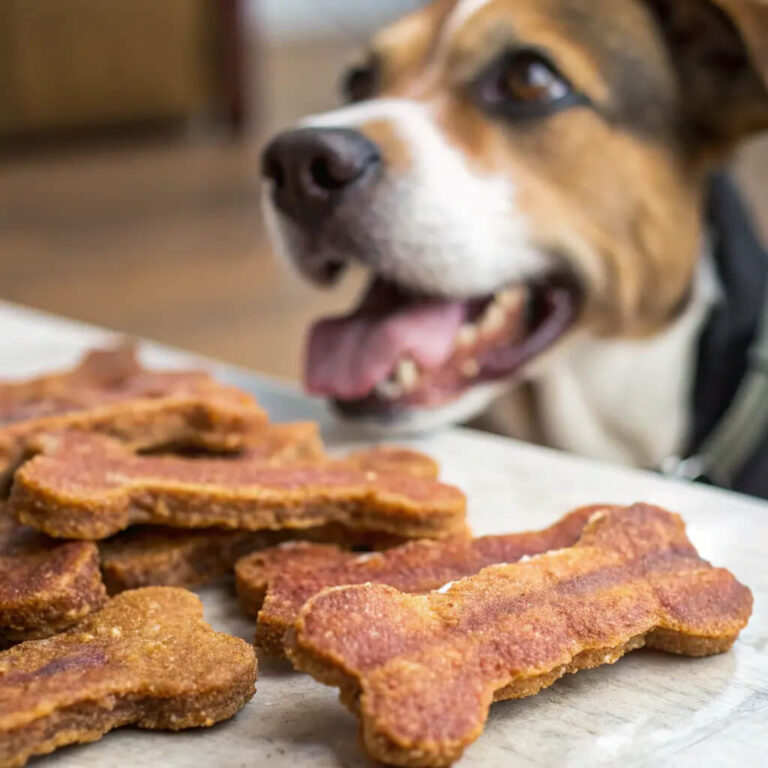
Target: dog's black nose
column 311, row 169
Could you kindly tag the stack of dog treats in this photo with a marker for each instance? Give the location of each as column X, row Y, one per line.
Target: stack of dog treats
column 137, row 484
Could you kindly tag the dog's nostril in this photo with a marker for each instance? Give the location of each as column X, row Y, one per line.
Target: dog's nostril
column 325, row 176
column 332, row 269
column 337, row 165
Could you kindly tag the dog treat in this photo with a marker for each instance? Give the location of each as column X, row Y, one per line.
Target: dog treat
column 152, row 555
column 147, row 659
column 46, row 585
column 275, row 583
column 292, row 443
column 391, row 459
column 159, row 556
column 109, row 392
column 147, row 555
column 299, row 444
column 90, row 487
column 422, row 671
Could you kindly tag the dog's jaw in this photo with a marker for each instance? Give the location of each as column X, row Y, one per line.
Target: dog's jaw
column 434, row 226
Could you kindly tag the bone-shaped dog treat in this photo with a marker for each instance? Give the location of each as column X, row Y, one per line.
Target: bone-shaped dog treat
column 390, row 459
column 155, row 555
column 275, row 583
column 46, row 585
column 90, row 487
column 110, row 393
column 290, row 443
column 146, row 555
column 147, row 659
column 299, row 444
column 422, row 671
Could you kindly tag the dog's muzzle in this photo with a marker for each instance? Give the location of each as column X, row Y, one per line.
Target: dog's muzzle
column 458, row 301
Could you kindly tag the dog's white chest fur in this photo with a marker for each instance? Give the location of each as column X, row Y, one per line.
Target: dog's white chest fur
column 626, row 401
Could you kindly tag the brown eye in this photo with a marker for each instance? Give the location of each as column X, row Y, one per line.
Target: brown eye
column 524, row 84
column 361, row 81
column 528, row 78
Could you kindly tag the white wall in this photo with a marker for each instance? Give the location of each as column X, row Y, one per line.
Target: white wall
column 282, row 20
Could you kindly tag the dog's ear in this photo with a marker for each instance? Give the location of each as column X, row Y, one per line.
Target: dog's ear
column 720, row 48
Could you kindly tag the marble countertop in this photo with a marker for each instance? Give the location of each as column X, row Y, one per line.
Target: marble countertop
column 649, row 708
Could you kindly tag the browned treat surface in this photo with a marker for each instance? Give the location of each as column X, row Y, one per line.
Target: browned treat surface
column 422, row 671
column 88, row 486
column 394, row 460
column 146, row 555
column 99, row 370
column 275, row 583
column 46, row 585
column 291, row 443
column 147, row 659
column 152, row 555
column 155, row 555
column 109, row 392
column 299, row 444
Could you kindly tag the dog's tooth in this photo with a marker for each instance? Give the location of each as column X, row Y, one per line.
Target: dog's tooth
column 470, row 368
column 493, row 319
column 511, row 297
column 505, row 299
column 467, row 335
column 407, row 374
column 389, row 390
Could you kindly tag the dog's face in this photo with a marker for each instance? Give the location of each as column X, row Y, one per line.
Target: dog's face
column 510, row 171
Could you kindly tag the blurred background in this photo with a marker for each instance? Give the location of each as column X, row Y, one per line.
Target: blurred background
column 129, row 140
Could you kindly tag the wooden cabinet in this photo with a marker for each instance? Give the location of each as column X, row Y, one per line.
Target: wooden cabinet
column 68, row 64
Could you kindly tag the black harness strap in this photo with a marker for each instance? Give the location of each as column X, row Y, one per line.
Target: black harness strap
column 729, row 444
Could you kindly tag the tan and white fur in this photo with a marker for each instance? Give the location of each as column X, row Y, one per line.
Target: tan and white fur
column 470, row 203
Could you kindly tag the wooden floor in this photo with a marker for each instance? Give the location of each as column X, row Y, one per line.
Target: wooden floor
column 163, row 238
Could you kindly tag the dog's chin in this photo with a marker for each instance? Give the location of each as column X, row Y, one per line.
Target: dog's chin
column 405, row 361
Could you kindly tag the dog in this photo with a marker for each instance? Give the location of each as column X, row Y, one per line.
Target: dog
column 534, row 187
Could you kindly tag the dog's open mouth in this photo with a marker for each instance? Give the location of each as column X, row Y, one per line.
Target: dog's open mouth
column 401, row 350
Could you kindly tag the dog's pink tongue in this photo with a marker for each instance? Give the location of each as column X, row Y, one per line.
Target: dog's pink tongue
column 348, row 356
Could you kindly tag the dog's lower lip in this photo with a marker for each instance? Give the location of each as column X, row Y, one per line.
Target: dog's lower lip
column 500, row 335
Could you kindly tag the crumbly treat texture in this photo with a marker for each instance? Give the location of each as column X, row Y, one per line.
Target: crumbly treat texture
column 155, row 555
column 147, row 659
column 275, row 583
column 46, row 585
column 109, row 392
column 88, row 486
column 146, row 555
column 291, row 443
column 422, row 671
column 391, row 459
